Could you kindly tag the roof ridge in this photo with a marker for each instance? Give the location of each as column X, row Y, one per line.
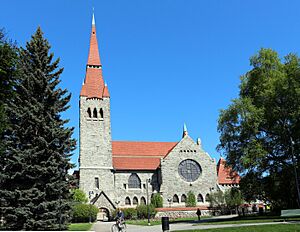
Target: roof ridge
column 128, row 141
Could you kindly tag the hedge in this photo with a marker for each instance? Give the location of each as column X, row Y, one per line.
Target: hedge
column 82, row 213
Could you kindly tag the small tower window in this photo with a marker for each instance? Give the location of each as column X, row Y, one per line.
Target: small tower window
column 89, row 112
column 95, row 113
column 97, row 182
column 101, row 113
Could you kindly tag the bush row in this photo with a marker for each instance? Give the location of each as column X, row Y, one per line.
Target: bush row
column 140, row 212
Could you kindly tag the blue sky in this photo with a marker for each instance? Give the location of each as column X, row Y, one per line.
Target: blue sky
column 165, row 62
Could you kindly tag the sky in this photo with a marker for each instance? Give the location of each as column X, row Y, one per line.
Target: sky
column 166, row 63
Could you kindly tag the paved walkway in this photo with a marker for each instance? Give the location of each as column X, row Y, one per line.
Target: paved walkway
column 105, row 226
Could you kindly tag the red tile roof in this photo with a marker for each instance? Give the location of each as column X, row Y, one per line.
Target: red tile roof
column 94, row 57
column 139, row 155
column 93, row 83
column 105, row 91
column 225, row 174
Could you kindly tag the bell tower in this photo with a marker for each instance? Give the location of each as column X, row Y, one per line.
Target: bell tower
column 95, row 155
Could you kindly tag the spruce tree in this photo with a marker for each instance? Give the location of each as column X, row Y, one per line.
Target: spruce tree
column 8, row 58
column 35, row 190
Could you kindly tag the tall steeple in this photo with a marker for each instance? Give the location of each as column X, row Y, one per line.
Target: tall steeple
column 94, row 58
column 93, row 86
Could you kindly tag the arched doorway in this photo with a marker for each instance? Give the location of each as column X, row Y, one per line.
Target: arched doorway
column 103, row 214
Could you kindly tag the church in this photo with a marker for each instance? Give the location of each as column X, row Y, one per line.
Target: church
column 126, row 173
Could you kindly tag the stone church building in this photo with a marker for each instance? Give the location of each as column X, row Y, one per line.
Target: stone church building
column 119, row 173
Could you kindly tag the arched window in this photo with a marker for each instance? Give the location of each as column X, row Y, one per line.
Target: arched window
column 207, row 197
column 143, row 201
column 127, row 201
column 175, row 199
column 199, row 198
column 135, row 201
column 89, row 112
column 134, row 181
column 95, row 113
column 183, row 198
column 101, row 113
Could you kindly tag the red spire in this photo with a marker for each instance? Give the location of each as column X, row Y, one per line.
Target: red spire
column 93, row 85
column 94, row 58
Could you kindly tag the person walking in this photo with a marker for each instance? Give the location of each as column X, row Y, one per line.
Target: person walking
column 198, row 213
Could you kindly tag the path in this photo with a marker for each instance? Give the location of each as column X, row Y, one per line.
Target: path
column 105, row 226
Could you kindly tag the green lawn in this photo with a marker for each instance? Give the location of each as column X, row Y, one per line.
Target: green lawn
column 80, row 226
column 263, row 228
column 246, row 220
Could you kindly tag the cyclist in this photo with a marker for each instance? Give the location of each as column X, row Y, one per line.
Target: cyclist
column 120, row 219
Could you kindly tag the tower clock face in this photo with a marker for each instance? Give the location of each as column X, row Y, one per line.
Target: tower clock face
column 189, row 170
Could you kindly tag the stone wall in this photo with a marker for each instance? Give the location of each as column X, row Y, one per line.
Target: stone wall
column 95, row 147
column 122, row 190
column 173, row 183
column 181, row 213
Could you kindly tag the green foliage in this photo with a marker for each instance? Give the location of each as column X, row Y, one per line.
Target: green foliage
column 129, row 213
column 233, row 198
column 79, row 196
column 34, row 188
column 142, row 212
column 156, row 200
column 191, row 199
column 83, row 212
column 8, row 59
column 260, row 130
column 216, row 200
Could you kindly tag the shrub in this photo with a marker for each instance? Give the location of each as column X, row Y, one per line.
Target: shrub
column 157, row 200
column 129, row 213
column 79, row 196
column 191, row 199
column 82, row 213
column 142, row 212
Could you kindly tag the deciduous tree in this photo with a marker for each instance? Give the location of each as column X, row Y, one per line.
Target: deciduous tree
column 260, row 130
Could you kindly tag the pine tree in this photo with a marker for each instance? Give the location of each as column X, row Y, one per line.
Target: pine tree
column 34, row 189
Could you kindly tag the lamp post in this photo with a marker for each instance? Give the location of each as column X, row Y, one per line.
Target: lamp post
column 147, row 190
column 295, row 169
column 90, row 196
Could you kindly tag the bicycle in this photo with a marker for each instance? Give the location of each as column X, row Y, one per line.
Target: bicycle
column 119, row 226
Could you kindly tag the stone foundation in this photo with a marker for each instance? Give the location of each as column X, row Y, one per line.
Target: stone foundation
column 181, row 212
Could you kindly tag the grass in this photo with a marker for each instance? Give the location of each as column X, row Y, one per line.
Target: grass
column 144, row 222
column 251, row 219
column 259, row 228
column 80, row 226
